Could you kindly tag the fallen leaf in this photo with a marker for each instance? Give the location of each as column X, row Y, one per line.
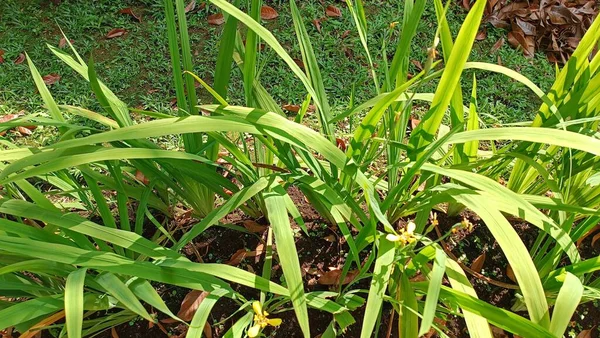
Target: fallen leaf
column 115, row 33
column 253, row 226
column 510, row 274
column 477, row 264
column 129, row 11
column 332, row 277
column 497, row 45
column 481, row 35
column 24, row 131
column 414, row 123
column 498, row 332
column 1, row 56
column 586, row 333
column 294, row 108
column 518, row 40
column 141, row 177
column 113, row 333
column 317, row 24
column 526, row 27
column 417, row 64
column 36, row 330
column 586, row 235
column 466, row 4
column 237, row 257
column 63, row 42
column 595, row 239
column 333, row 11
column 341, row 144
column 216, row 19
column 330, row 238
column 207, row 330
column 19, row 60
column 300, row 63
column 51, row 78
column 190, row 304
column 8, row 117
column 345, row 34
column 268, row 13
column 190, row 7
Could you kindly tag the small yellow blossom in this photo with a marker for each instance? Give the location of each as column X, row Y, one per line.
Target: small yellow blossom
column 406, row 236
column 466, row 224
column 260, row 320
column 393, row 24
column 434, row 221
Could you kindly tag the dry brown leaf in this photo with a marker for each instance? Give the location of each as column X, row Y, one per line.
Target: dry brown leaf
column 1, row 56
column 141, row 177
column 300, row 63
column 330, row 238
column 417, row 64
column 36, row 330
column 113, row 333
column 333, row 11
column 268, row 13
column 510, row 273
column 497, row 45
column 595, row 239
column 237, row 257
column 190, row 7
column 481, row 35
column 414, row 123
column 518, row 40
column 51, row 78
column 341, row 144
column 586, row 333
column 207, row 330
column 190, row 304
column 526, row 27
column 115, row 33
column 332, row 277
column 294, row 108
column 24, row 131
column 317, row 24
column 216, row 19
column 63, row 42
column 129, row 11
column 498, row 332
column 586, row 235
column 8, row 117
column 19, row 60
column 345, row 34
column 253, row 226
column 477, row 264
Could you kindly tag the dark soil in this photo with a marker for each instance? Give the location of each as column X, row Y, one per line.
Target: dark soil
column 323, row 249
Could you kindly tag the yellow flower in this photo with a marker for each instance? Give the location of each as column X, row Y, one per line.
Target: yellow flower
column 406, row 236
column 466, row 224
column 434, row 220
column 393, row 24
column 260, row 320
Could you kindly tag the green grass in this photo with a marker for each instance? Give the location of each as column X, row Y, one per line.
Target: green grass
column 136, row 66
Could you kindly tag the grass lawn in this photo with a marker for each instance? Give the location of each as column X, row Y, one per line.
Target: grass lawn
column 136, row 66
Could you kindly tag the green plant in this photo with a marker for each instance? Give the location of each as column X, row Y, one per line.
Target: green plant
column 364, row 186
